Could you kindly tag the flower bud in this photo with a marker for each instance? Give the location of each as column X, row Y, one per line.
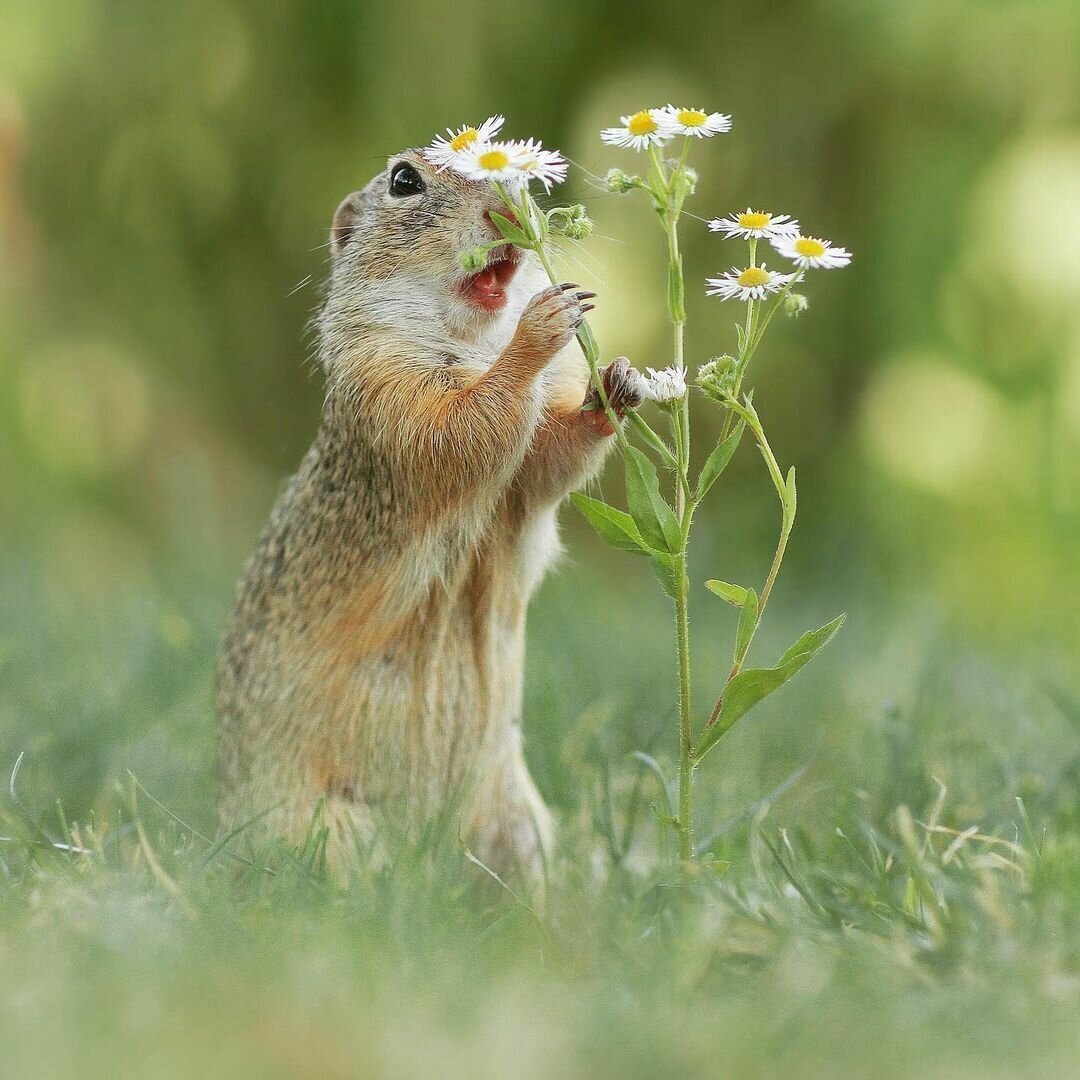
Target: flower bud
column 571, row 221
column 473, row 261
column 621, row 182
column 795, row 304
column 716, row 377
column 688, row 180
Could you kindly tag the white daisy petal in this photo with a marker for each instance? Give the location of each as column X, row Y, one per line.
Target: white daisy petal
column 811, row 253
column 755, row 225
column 667, row 384
column 697, row 122
column 489, row 161
column 444, row 151
column 649, row 127
column 536, row 163
column 752, row 283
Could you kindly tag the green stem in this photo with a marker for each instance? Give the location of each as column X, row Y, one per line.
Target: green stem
column 686, row 748
column 778, row 558
column 526, row 212
column 788, row 521
column 684, row 508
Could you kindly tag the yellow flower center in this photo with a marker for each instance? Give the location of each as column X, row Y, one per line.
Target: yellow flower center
column 754, row 275
column 641, row 123
column 756, row 220
column 493, row 160
column 807, row 245
column 463, row 139
column 691, row 117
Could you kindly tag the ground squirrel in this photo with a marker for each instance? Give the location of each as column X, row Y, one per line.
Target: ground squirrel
column 373, row 661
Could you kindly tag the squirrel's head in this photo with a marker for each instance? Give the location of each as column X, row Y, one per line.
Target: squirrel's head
column 396, row 253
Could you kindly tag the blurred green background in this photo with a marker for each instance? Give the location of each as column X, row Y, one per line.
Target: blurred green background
column 167, row 177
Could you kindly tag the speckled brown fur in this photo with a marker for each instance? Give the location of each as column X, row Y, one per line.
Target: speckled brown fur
column 373, row 661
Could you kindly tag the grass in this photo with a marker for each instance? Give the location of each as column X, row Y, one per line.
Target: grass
column 893, row 889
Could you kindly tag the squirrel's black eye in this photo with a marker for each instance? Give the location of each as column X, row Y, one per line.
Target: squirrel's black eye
column 405, row 180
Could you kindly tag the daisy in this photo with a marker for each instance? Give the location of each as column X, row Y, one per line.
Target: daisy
column 697, row 122
column 753, row 283
column 668, row 384
column 754, row 224
column 536, row 163
column 808, row 252
column 490, row 161
column 443, row 151
column 650, row 127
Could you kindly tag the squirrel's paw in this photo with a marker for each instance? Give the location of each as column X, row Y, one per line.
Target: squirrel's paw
column 622, row 384
column 551, row 319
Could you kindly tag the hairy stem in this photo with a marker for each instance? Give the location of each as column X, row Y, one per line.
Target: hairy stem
column 686, row 748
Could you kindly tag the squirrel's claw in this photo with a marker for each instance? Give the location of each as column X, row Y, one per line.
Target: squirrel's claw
column 622, row 384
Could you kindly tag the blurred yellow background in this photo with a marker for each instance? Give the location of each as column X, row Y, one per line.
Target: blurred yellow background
column 167, row 177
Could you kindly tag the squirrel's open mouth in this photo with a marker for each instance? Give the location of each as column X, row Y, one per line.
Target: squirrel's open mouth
column 487, row 288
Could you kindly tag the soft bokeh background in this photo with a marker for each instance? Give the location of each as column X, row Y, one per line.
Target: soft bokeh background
column 167, row 175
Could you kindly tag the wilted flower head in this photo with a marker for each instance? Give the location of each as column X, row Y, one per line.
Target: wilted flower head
column 649, row 127
column 755, row 224
column 697, row 122
column 809, row 252
column 443, row 151
column 716, row 377
column 753, row 283
column 663, row 386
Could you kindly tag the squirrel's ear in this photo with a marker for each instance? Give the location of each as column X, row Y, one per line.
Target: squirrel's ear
column 344, row 220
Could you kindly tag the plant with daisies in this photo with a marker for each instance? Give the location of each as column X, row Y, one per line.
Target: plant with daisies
column 662, row 493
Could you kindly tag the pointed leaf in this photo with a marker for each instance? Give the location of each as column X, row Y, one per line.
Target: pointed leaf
column 751, row 686
column 733, row 594
column 718, row 460
column 812, row 642
column 613, row 526
column 653, row 516
column 747, row 625
column 791, row 501
column 510, row 230
column 665, row 571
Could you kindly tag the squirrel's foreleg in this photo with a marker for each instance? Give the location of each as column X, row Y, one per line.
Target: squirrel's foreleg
column 478, row 434
column 569, row 444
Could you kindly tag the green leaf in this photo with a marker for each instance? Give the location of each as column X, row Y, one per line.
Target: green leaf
column 664, row 568
column 676, row 302
column 742, row 338
column 790, row 501
column 747, row 625
column 718, row 461
column 650, row 436
column 812, row 642
column 733, row 594
column 613, row 526
column 751, row 686
column 653, row 516
column 510, row 231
